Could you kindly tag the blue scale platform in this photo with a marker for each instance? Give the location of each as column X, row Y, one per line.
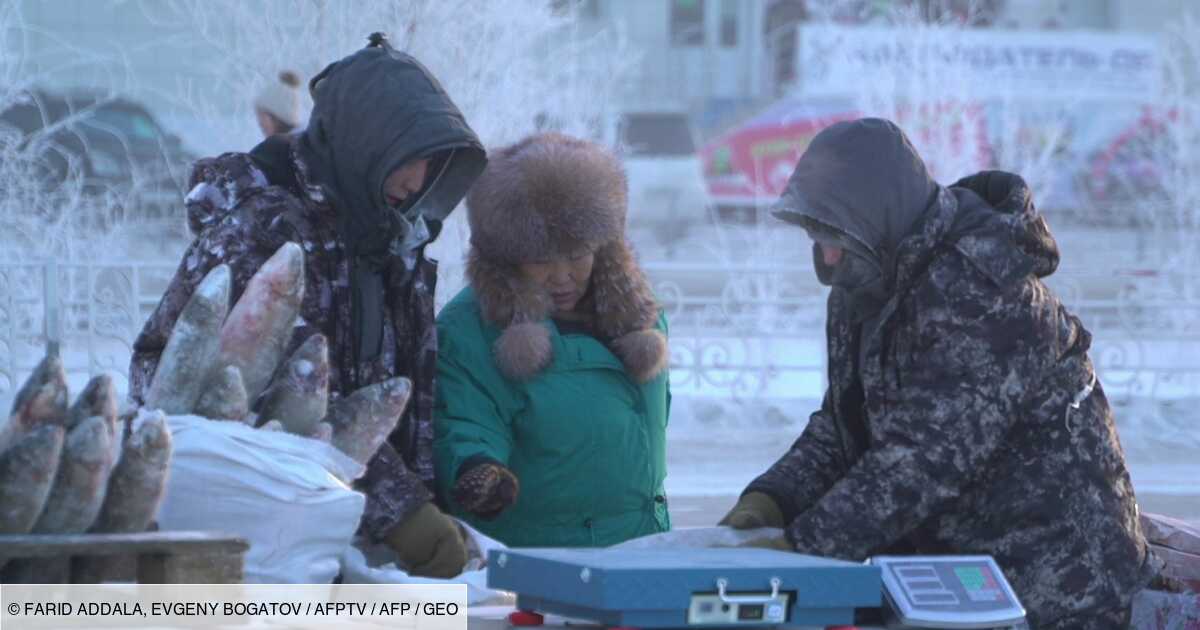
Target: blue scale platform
column 656, row 588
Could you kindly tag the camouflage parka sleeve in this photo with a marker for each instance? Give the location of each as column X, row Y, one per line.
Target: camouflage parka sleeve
column 228, row 224
column 934, row 435
column 241, row 220
column 969, row 420
column 806, row 472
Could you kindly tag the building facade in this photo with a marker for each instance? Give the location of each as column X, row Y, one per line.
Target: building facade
column 720, row 60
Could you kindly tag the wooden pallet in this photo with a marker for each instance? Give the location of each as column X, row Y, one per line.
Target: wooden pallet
column 147, row 558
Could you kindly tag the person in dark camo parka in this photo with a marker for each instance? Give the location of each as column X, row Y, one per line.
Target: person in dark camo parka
column 385, row 158
column 963, row 415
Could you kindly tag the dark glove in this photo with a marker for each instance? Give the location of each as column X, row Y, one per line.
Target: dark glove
column 754, row 509
column 486, row 489
column 429, row 544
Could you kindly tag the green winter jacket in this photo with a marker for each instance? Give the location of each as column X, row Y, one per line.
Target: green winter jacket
column 587, row 444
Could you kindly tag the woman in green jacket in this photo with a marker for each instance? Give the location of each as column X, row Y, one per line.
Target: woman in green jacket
column 552, row 395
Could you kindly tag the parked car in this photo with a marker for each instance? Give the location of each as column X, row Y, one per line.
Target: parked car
column 667, row 194
column 126, row 160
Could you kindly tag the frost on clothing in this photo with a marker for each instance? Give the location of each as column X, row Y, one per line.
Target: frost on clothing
column 248, row 224
column 948, row 424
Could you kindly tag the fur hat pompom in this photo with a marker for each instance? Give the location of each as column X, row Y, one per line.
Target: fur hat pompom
column 644, row 353
column 523, row 350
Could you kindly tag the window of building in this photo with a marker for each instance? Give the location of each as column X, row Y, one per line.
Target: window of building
column 729, row 23
column 661, row 134
column 587, row 9
column 782, row 46
column 687, row 22
column 783, row 13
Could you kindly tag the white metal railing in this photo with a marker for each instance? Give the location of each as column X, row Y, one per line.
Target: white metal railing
column 748, row 331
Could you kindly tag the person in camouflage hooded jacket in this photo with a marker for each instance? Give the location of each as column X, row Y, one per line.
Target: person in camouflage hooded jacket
column 368, row 286
column 963, row 415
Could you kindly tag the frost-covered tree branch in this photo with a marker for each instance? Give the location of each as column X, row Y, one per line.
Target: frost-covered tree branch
column 46, row 207
column 505, row 64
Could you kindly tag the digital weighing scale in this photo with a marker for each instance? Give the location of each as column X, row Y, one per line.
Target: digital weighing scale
column 734, row 587
column 948, row 592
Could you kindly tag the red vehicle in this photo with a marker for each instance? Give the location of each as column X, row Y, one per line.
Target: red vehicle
column 749, row 166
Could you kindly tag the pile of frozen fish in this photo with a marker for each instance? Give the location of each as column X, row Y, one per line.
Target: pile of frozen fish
column 73, row 468
column 248, row 377
column 61, row 471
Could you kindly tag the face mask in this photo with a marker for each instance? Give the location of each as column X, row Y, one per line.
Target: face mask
column 856, row 268
column 854, row 271
column 417, row 222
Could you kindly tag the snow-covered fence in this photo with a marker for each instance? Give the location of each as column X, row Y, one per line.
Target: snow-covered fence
column 93, row 310
column 737, row 332
column 726, row 323
column 742, row 330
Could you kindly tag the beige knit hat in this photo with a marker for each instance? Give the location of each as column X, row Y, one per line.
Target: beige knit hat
column 282, row 99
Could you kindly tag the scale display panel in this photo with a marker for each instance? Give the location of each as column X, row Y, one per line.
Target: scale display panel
column 949, row 592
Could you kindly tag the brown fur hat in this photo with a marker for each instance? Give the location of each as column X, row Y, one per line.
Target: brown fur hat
column 547, row 197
